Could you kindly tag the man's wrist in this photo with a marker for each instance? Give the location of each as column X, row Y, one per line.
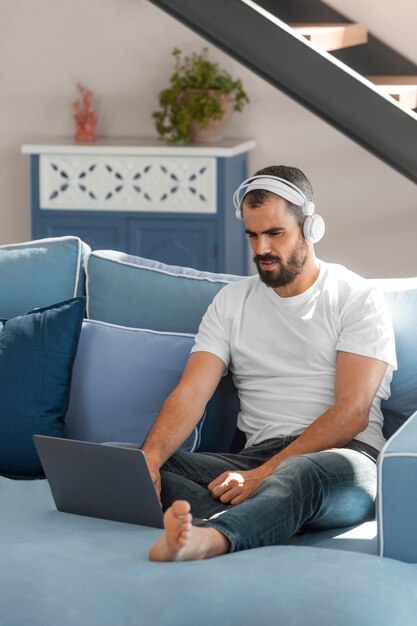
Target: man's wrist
column 263, row 471
column 153, row 457
column 271, row 465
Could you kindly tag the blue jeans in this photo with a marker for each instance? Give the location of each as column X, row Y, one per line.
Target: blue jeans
column 321, row 490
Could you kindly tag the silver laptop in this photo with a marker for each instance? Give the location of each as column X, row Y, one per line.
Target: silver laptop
column 106, row 481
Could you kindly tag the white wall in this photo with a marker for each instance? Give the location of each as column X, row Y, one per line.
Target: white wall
column 121, row 49
column 392, row 22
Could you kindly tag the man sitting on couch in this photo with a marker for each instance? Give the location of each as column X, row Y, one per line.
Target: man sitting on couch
column 311, row 348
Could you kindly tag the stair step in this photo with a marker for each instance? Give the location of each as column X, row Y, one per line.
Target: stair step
column 333, row 36
column 402, row 88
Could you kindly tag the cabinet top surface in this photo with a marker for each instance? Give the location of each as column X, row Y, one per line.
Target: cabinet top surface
column 136, row 146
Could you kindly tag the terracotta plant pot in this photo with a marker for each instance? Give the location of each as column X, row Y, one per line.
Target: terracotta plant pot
column 215, row 130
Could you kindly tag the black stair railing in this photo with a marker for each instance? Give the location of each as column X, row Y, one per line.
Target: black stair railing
column 317, row 80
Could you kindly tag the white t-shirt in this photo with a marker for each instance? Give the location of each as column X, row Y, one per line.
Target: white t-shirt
column 282, row 351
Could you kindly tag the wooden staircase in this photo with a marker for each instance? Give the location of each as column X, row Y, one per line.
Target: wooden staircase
column 342, row 73
column 401, row 88
column 333, row 36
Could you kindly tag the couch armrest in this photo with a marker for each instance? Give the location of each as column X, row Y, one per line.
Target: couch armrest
column 397, row 494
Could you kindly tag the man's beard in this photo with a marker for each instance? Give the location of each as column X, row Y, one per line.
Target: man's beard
column 285, row 273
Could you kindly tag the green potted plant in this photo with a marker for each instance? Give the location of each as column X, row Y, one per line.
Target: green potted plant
column 200, row 99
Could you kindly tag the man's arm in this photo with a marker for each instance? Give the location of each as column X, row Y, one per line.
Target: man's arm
column 357, row 381
column 182, row 409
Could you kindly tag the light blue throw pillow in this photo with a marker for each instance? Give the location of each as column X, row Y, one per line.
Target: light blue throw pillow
column 140, row 293
column 121, row 378
column 37, row 352
column 39, row 273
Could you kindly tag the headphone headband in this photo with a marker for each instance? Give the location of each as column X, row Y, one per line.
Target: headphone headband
column 276, row 185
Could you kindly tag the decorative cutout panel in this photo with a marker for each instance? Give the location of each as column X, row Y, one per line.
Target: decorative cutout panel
column 177, row 185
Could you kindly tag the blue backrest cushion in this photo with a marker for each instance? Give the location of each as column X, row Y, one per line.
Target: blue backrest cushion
column 401, row 297
column 37, row 352
column 121, row 378
column 132, row 291
column 40, row 273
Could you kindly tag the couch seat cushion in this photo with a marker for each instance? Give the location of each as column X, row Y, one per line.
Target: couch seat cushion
column 78, row 571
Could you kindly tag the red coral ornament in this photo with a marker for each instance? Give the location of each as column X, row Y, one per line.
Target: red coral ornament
column 84, row 116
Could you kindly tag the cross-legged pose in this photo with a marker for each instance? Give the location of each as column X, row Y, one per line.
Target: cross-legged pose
column 311, row 348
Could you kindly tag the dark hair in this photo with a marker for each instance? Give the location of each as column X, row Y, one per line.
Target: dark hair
column 257, row 197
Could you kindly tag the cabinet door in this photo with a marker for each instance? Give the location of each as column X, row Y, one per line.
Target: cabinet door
column 175, row 241
column 100, row 232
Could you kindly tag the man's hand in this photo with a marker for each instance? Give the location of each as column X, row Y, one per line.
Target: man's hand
column 236, row 487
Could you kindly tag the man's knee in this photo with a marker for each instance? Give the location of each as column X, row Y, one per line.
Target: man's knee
column 329, row 466
column 298, row 466
column 301, row 478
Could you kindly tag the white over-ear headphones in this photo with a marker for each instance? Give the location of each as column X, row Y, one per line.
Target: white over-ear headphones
column 313, row 227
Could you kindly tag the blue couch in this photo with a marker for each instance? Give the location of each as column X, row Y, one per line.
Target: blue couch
column 57, row 568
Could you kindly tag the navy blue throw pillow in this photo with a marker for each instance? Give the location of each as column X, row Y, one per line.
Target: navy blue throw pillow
column 37, row 352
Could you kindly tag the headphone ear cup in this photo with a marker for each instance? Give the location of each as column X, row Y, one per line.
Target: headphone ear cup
column 314, row 228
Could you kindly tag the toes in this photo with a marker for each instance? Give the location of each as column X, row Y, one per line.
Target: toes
column 183, row 538
column 181, row 508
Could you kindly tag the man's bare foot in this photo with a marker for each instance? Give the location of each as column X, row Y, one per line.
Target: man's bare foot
column 184, row 542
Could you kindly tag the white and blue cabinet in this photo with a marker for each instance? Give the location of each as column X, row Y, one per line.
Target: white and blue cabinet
column 165, row 203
